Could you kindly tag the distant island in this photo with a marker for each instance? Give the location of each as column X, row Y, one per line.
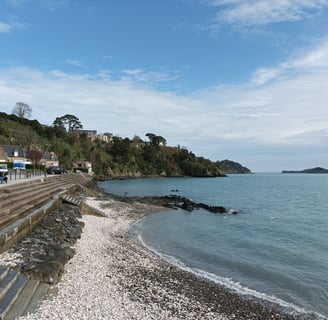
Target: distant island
column 313, row 170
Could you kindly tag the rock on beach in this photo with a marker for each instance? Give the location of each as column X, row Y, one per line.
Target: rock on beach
column 111, row 277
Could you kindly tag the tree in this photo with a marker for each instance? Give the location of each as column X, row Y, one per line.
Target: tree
column 22, row 110
column 35, row 156
column 121, row 149
column 3, row 154
column 72, row 122
column 58, row 122
column 156, row 140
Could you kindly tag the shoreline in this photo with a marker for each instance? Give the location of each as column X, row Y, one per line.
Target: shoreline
column 111, row 276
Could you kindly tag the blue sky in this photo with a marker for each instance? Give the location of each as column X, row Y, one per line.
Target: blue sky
column 238, row 79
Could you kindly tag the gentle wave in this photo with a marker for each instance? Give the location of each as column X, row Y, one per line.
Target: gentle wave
column 230, row 284
column 275, row 245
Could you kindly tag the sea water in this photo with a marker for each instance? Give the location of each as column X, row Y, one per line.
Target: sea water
column 275, row 249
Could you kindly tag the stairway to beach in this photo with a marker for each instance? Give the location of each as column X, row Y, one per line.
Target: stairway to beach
column 22, row 206
column 19, row 294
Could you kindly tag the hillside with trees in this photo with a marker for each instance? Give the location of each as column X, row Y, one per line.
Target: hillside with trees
column 232, row 167
column 112, row 157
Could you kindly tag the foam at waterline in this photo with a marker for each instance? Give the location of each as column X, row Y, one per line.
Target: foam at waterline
column 229, row 283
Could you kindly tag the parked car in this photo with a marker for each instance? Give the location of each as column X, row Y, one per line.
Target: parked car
column 3, row 168
column 56, row 170
column 3, row 173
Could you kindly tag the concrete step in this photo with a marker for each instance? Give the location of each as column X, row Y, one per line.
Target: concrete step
column 71, row 199
column 27, row 192
column 13, row 290
column 37, row 298
column 21, row 188
column 3, row 272
column 19, row 209
column 77, row 178
column 19, row 294
column 27, row 195
column 10, row 188
column 25, row 298
column 7, row 282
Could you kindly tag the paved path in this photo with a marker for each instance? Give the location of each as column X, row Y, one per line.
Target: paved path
column 23, row 179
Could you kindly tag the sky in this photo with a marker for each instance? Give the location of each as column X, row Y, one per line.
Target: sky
column 245, row 80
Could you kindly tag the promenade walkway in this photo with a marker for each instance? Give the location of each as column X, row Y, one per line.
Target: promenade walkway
column 15, row 177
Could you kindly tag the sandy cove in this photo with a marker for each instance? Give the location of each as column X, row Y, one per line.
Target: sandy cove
column 112, row 277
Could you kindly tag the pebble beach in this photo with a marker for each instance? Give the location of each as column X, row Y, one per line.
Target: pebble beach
column 112, row 277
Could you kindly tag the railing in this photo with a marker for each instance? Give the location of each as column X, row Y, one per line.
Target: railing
column 24, row 174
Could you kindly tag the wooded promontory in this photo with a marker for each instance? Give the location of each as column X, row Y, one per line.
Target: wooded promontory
column 111, row 156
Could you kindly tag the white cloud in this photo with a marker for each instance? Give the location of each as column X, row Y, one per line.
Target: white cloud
column 100, row 103
column 5, row 27
column 285, row 105
column 315, row 60
column 281, row 108
column 264, row 75
column 148, row 77
column 263, row 12
column 75, row 63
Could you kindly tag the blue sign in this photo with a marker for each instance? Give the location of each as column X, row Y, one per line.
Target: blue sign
column 19, row 165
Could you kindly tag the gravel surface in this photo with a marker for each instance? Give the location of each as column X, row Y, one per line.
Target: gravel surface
column 112, row 277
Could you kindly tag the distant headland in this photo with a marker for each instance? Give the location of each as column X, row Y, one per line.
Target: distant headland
column 232, row 167
column 312, row 170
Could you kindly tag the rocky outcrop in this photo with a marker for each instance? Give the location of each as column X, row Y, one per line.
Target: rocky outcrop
column 231, row 167
column 46, row 250
column 313, row 170
column 178, row 202
column 189, row 205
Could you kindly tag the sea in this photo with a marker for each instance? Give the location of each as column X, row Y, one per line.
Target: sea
column 274, row 249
